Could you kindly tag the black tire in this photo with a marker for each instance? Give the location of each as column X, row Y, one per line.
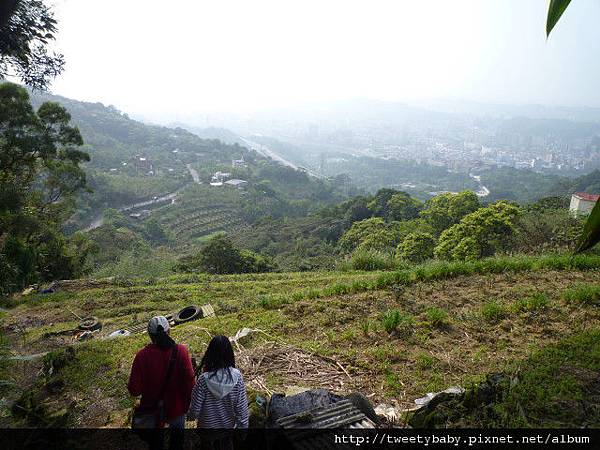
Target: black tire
column 187, row 314
column 90, row 324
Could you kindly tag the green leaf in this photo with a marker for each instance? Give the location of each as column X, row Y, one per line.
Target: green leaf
column 590, row 235
column 555, row 11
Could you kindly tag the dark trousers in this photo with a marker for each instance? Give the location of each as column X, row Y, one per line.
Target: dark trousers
column 156, row 439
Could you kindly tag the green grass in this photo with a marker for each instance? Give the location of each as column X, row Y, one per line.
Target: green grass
column 493, row 312
column 365, row 326
column 556, row 387
column 443, row 270
column 536, row 302
column 369, row 260
column 318, row 312
column 425, row 361
column 584, row 294
column 437, row 317
column 394, row 320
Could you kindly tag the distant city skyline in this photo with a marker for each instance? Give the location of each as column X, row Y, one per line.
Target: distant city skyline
column 194, row 57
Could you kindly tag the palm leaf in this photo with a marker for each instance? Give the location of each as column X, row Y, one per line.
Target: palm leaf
column 590, row 235
column 555, row 11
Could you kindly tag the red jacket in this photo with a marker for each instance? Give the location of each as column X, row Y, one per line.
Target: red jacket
column 148, row 374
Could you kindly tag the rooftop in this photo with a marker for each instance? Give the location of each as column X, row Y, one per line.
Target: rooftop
column 236, row 182
column 586, row 196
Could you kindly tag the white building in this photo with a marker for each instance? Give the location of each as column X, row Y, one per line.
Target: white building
column 238, row 162
column 582, row 203
column 220, row 177
column 237, row 183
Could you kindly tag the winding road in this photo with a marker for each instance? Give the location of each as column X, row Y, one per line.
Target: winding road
column 268, row 153
column 483, row 191
column 99, row 220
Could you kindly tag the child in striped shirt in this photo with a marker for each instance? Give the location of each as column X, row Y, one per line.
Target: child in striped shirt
column 219, row 397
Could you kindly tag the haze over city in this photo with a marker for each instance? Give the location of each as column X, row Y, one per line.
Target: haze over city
column 168, row 62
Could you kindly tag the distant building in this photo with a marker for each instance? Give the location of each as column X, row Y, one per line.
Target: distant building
column 143, row 164
column 238, row 162
column 582, row 203
column 219, row 177
column 237, row 183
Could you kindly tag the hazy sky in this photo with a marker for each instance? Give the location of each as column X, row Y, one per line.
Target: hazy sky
column 156, row 57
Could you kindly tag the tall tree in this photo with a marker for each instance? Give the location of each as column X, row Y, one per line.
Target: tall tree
column 26, row 29
column 39, row 175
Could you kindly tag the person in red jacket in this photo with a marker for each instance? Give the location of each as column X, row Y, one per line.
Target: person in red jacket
column 148, row 376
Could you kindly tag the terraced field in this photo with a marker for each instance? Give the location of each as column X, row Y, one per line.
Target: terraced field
column 201, row 212
column 195, row 223
column 391, row 335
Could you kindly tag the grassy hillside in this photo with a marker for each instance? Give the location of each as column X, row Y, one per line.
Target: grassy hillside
column 118, row 177
column 391, row 335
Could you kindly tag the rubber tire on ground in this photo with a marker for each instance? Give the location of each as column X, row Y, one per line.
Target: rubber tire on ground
column 187, row 314
column 90, row 324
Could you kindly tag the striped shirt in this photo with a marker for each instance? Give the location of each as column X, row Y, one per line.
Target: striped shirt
column 230, row 411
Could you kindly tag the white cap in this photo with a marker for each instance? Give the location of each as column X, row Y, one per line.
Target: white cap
column 157, row 321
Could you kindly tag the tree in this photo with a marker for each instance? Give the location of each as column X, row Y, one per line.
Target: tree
column 155, row 231
column 220, row 255
column 416, row 247
column 357, row 211
column 26, row 28
column 445, row 210
column 542, row 230
column 402, row 206
column 39, row 176
column 373, row 234
column 479, row 234
column 379, row 204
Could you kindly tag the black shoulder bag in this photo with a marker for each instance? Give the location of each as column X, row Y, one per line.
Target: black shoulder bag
column 148, row 417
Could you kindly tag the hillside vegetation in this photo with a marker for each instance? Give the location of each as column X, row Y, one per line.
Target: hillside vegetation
column 391, row 335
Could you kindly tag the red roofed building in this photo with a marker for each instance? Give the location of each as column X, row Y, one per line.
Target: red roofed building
column 582, row 203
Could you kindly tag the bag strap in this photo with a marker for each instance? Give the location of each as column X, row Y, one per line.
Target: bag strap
column 168, row 376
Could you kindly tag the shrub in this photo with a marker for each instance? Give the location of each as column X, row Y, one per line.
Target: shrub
column 437, row 317
column 394, row 320
column 363, row 259
column 493, row 312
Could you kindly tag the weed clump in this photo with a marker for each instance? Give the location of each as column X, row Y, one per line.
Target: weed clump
column 437, row 317
column 365, row 326
column 493, row 312
column 394, row 320
column 271, row 302
column 425, row 361
column 536, row 302
column 364, row 259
